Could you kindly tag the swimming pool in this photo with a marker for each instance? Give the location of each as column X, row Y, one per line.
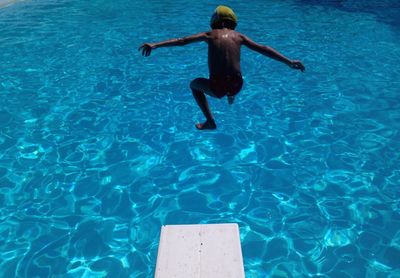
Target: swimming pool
column 98, row 147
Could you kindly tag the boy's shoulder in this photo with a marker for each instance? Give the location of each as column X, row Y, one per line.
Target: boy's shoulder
column 221, row 32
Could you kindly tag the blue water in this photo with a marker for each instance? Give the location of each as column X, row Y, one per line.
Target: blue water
column 98, row 147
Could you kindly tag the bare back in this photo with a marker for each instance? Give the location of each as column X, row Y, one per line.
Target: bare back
column 224, row 52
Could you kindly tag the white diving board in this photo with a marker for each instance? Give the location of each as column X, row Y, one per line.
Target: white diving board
column 200, row 251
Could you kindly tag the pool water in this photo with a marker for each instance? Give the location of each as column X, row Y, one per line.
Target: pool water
column 98, row 147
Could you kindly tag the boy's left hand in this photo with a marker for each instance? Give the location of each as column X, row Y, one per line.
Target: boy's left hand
column 146, row 49
column 297, row 65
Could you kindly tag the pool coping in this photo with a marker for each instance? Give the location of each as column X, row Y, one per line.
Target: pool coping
column 6, row 3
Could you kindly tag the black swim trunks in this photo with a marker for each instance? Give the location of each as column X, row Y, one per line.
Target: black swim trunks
column 222, row 85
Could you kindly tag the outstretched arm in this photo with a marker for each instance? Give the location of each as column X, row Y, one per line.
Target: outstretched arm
column 148, row 47
column 272, row 53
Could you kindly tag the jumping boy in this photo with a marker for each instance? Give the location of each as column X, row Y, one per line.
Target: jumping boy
column 223, row 60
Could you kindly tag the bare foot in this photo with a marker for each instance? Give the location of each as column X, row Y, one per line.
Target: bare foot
column 206, row 125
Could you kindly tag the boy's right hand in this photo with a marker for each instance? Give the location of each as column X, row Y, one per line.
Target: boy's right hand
column 146, row 49
column 294, row 64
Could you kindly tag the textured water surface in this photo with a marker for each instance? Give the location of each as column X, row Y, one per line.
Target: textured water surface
column 98, row 147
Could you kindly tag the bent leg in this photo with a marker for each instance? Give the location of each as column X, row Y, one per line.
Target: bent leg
column 200, row 86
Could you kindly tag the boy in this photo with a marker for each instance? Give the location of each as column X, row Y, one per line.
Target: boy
column 223, row 60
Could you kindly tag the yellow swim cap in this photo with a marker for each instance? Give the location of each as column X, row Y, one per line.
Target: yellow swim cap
column 223, row 13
